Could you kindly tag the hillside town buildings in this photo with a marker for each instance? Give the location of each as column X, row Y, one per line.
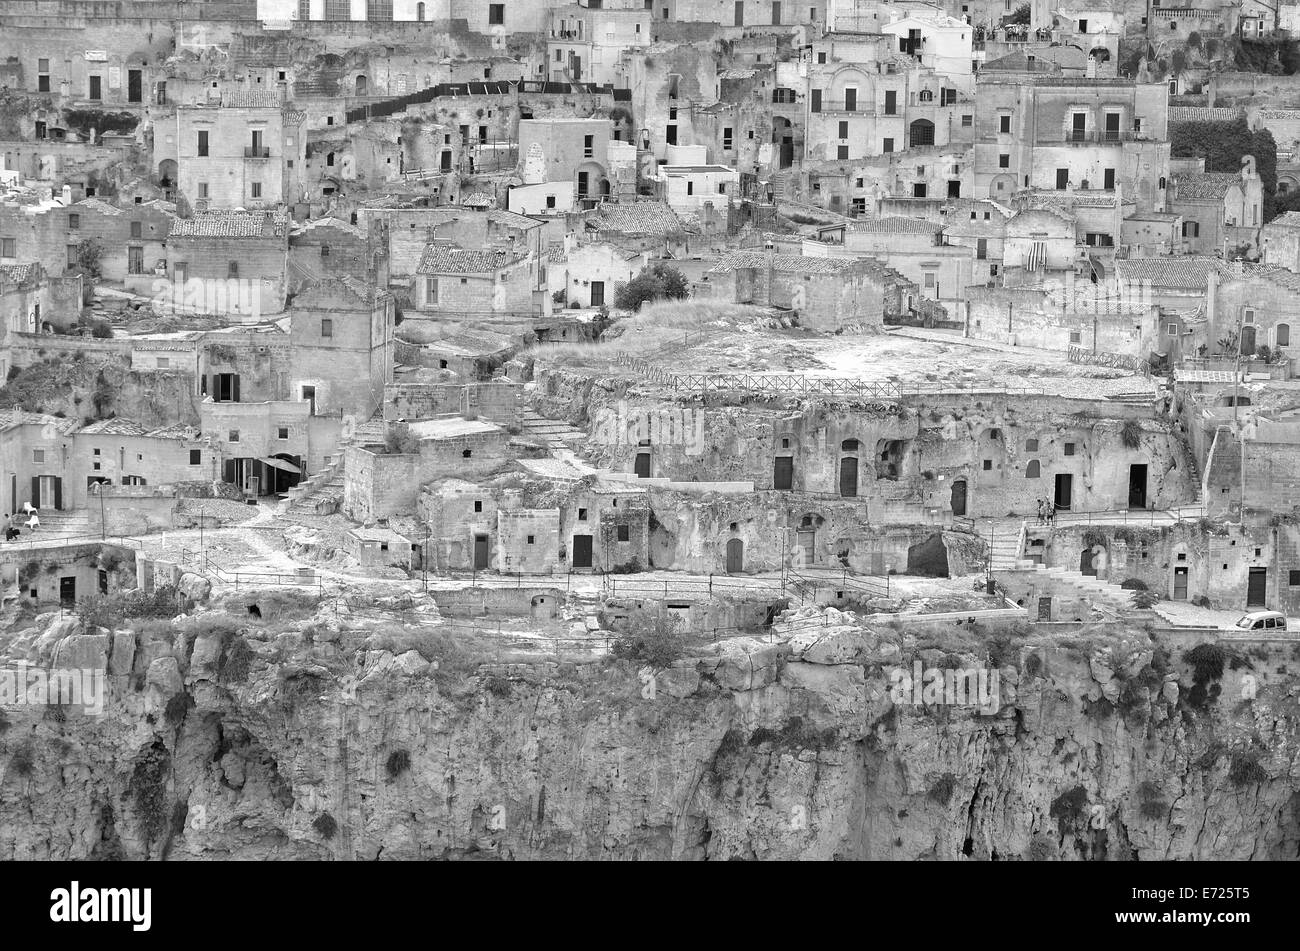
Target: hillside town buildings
column 853, row 290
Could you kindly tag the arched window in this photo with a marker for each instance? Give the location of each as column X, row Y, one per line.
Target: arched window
column 419, row 12
column 1283, row 335
column 1031, row 470
column 927, row 95
column 849, row 445
column 922, row 132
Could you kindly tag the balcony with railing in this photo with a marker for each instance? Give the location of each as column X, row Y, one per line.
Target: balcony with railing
column 1091, row 137
column 257, row 152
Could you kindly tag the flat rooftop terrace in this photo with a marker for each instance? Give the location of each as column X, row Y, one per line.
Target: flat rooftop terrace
column 909, row 358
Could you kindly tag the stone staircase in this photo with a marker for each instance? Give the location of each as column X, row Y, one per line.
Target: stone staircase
column 56, row 525
column 1004, row 551
column 321, row 493
column 1095, row 590
column 554, row 434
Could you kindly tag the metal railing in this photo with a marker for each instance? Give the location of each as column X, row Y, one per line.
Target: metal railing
column 257, row 151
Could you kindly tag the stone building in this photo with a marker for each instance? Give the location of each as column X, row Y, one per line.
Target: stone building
column 246, row 151
column 216, row 247
column 1221, row 211
column 482, row 284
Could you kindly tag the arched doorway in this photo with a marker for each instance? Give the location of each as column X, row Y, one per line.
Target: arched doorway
column 362, row 85
column 921, row 132
column 1086, row 565
column 958, row 498
column 1283, row 335
column 783, row 140
column 806, row 540
column 735, row 556
column 167, row 174
column 849, row 468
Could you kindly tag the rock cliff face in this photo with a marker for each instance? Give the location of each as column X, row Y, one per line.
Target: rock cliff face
column 218, row 742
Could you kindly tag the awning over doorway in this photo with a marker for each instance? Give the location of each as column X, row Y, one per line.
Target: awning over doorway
column 281, row 464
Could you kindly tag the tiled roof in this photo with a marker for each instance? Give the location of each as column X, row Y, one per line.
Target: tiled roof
column 443, row 259
column 16, row 273
column 636, row 217
column 251, row 99
column 1204, row 114
column 782, row 262
column 511, row 219
column 1019, row 62
column 113, row 427
column 1290, row 219
column 231, row 224
column 1205, row 185
column 19, row 417
column 102, row 207
column 1280, row 276
column 329, row 222
column 1183, row 272
column 895, row 225
column 479, row 200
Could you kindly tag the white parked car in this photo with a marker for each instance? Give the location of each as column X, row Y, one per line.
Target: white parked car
column 1262, row 621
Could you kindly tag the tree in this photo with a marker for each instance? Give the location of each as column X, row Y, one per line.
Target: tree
column 1020, row 17
column 658, row 282
column 1193, row 40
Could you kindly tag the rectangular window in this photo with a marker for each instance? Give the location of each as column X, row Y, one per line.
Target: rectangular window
column 623, row 533
column 232, row 269
column 1004, row 161
column 1004, row 123
column 1069, row 449
column 232, row 436
column 74, row 255
column 981, row 248
column 282, row 432
column 726, row 139
column 1075, row 336
column 196, row 457
column 203, row 143
column 842, row 152
column 42, row 83
column 967, row 121
column 431, row 289
column 42, row 65
column 1108, row 179
column 164, row 363
column 38, row 455
column 496, row 14
column 74, row 222
column 844, row 130
column 326, row 327
column 887, row 145
column 135, row 229
column 588, row 146
column 135, row 260
column 203, row 190
column 891, row 102
column 1293, row 577
column 96, row 88
column 1062, row 178
column 1172, row 330
column 256, row 189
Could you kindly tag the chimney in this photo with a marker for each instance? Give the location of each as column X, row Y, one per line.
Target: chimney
column 67, row 194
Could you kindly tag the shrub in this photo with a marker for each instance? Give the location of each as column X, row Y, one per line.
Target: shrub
column 148, row 788
column 1245, row 769
column 943, row 788
column 325, row 825
column 400, row 439
column 1207, row 662
column 399, row 761
column 498, row 686
column 1130, row 434
column 1144, row 599
column 110, row 611
column 1134, row 584
column 1201, row 601
column 657, row 282
column 653, row 640
column 1152, row 804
